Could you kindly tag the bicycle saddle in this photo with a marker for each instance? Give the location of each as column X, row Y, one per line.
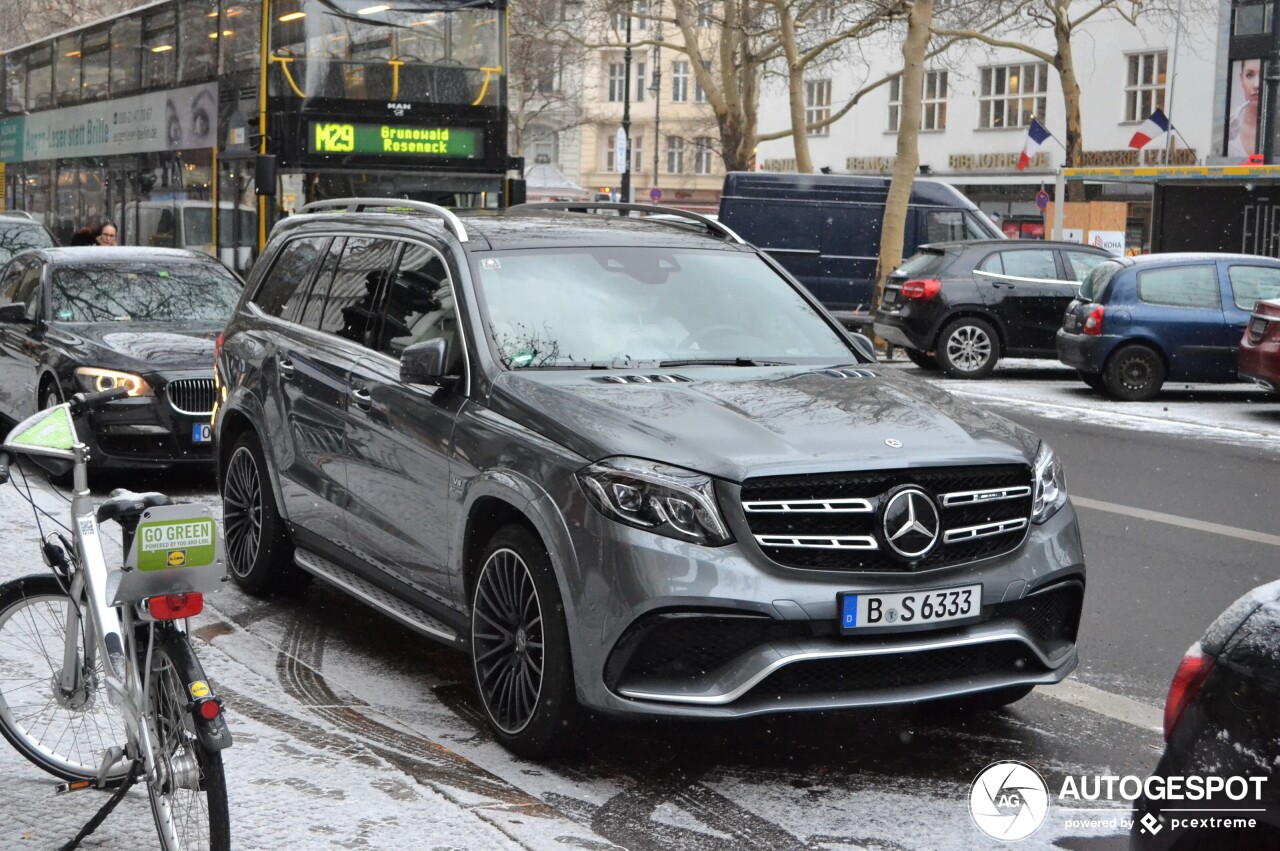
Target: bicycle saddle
column 124, row 504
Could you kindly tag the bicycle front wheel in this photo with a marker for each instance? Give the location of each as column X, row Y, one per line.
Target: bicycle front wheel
column 189, row 795
column 65, row 731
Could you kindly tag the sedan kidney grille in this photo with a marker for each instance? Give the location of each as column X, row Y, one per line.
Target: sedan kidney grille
column 192, row 396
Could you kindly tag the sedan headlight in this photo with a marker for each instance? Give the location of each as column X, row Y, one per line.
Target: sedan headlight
column 95, row 380
column 656, row 497
column 1051, row 485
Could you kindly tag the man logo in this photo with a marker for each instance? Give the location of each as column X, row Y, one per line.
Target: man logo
column 1008, row 800
column 177, row 558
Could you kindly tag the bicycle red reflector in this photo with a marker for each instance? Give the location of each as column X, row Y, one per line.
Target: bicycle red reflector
column 172, row 607
column 208, row 709
column 921, row 289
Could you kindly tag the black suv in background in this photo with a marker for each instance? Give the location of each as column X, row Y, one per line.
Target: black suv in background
column 629, row 465
column 961, row 306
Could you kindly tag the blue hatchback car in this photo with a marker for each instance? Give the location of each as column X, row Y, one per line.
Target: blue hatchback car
column 1141, row 321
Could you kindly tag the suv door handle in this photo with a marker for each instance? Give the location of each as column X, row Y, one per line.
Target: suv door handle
column 286, row 369
column 361, row 397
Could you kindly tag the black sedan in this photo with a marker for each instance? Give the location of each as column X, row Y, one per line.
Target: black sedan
column 1218, row 783
column 76, row 319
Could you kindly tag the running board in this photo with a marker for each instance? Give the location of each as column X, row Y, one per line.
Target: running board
column 370, row 594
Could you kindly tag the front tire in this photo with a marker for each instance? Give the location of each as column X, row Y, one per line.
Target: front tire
column 924, row 360
column 259, row 550
column 1134, row 373
column 520, row 646
column 968, row 348
column 189, row 797
column 62, row 733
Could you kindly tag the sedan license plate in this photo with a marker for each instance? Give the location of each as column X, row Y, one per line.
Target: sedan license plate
column 890, row 296
column 1257, row 327
column 860, row 612
column 201, row 432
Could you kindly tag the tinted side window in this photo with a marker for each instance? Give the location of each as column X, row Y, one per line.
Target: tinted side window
column 992, row 264
column 290, row 274
column 28, row 291
column 364, row 269
column 306, row 306
column 9, row 282
column 1249, row 284
column 418, row 306
column 1030, row 263
column 951, row 226
column 1081, row 263
column 1180, row 286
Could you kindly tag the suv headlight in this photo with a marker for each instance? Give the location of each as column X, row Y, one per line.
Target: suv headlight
column 1051, row 485
column 96, row 380
column 656, row 497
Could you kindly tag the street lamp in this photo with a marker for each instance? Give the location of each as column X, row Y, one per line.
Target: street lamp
column 656, row 89
column 626, row 116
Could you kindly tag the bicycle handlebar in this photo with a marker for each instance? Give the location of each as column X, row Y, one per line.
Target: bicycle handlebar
column 83, row 402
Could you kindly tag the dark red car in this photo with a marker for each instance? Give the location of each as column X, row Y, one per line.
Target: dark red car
column 1260, row 348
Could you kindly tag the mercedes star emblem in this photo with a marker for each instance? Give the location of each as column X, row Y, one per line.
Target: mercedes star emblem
column 910, row 522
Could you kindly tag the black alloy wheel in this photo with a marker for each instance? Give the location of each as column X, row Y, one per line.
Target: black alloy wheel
column 520, row 647
column 259, row 552
column 1134, row 373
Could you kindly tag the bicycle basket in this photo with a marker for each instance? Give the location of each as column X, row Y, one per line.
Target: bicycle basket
column 177, row 549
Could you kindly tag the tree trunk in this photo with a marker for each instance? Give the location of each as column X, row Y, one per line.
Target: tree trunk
column 795, row 89
column 1064, row 61
column 893, row 228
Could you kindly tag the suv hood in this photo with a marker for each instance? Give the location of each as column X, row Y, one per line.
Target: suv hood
column 734, row 422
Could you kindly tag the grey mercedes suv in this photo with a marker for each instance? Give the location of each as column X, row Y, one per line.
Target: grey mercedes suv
column 630, row 466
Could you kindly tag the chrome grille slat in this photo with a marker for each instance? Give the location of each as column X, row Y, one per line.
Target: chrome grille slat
column 984, row 530
column 191, row 396
column 819, row 542
column 810, row 506
column 983, row 496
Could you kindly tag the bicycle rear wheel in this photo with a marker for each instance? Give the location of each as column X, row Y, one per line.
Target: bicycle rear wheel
column 63, row 732
column 189, row 798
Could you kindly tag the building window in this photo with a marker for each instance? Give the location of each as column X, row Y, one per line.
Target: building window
column 706, row 16
column 637, row 152
column 679, row 82
column 675, row 155
column 548, row 81
column 1144, row 91
column 638, row 24
column 1012, row 95
column 702, row 155
column 617, row 81
column 699, row 93
column 817, row 105
column 641, row 83
column 1251, row 18
column 933, row 109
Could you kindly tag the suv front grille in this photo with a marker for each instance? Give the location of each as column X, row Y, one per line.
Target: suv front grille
column 832, row 521
column 192, row 396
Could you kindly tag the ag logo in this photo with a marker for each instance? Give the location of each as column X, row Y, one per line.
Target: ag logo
column 199, row 689
column 177, row 558
column 1008, row 800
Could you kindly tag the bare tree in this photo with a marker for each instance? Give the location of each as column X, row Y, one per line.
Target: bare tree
column 27, row 20
column 893, row 229
column 544, row 92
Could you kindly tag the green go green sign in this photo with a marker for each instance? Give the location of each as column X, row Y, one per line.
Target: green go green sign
column 169, row 544
column 329, row 137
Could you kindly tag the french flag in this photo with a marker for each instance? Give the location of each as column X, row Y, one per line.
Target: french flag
column 1036, row 136
column 1153, row 128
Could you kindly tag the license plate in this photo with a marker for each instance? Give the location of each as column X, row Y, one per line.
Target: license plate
column 879, row 611
column 1257, row 327
column 201, row 432
column 890, row 296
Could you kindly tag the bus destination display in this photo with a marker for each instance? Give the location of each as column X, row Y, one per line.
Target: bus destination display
column 328, row 137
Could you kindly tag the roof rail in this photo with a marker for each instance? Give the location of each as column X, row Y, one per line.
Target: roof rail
column 22, row 214
column 356, row 205
column 711, row 225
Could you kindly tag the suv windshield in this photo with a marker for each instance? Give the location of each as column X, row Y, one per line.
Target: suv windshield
column 144, row 292
column 19, row 236
column 1096, row 283
column 609, row 305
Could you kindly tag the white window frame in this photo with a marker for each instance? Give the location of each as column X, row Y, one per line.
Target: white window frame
column 615, row 81
column 702, row 153
column 817, row 104
column 933, row 102
column 1009, row 96
column 1142, row 98
column 675, row 155
column 680, row 71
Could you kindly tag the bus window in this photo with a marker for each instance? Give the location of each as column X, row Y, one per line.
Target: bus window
column 15, row 76
column 198, row 35
column 239, row 41
column 95, row 64
column 159, row 61
column 66, row 69
column 39, row 78
column 126, row 55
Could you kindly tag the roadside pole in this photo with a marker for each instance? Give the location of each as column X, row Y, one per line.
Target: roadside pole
column 1059, row 198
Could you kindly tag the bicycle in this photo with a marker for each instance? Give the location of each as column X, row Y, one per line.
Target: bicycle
column 90, row 656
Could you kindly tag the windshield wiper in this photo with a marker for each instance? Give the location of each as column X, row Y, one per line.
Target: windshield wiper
column 722, row 362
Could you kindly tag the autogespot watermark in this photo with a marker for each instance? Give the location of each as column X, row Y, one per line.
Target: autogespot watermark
column 1009, row 800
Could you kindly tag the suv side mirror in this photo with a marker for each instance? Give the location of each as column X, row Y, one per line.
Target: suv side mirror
column 423, row 363
column 13, row 314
